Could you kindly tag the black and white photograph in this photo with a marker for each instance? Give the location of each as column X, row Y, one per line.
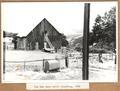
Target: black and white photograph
column 59, row 41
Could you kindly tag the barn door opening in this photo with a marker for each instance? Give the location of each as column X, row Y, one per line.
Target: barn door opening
column 36, row 46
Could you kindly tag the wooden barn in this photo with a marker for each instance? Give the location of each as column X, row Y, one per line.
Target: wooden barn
column 21, row 43
column 44, row 36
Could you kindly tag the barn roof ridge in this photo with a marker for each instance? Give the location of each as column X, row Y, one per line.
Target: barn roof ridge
column 51, row 25
column 43, row 20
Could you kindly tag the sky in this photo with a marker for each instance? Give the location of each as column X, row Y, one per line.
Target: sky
column 66, row 17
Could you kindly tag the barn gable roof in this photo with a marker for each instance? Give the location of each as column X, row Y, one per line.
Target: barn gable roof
column 45, row 21
column 51, row 25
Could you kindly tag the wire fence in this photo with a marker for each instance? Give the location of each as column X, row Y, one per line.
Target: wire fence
column 38, row 65
column 74, row 60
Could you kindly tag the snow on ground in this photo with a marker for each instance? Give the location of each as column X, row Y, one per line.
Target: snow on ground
column 18, row 55
column 15, row 72
column 64, row 74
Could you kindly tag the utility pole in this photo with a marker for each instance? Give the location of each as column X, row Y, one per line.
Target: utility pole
column 85, row 64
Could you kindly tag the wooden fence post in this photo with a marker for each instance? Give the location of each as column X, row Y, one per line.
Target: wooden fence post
column 43, row 64
column 24, row 65
column 4, row 61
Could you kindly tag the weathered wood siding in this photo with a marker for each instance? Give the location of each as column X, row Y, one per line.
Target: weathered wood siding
column 53, row 34
column 37, row 35
column 21, row 43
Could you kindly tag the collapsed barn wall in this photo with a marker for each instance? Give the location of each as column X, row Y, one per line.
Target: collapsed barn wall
column 53, row 35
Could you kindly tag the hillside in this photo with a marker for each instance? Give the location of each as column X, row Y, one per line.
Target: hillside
column 77, row 44
column 74, row 39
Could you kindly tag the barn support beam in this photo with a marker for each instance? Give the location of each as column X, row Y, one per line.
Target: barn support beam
column 85, row 65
